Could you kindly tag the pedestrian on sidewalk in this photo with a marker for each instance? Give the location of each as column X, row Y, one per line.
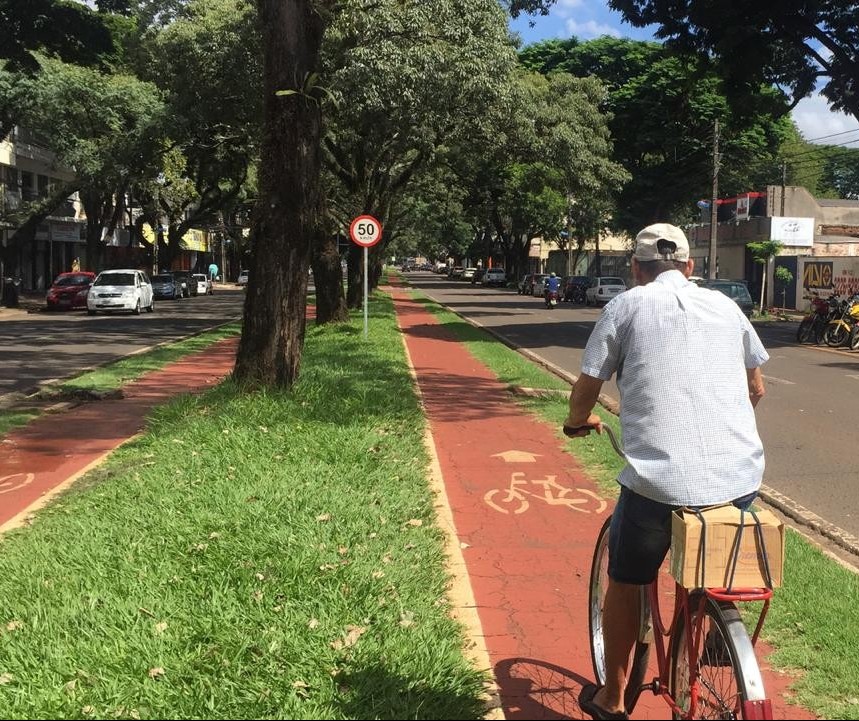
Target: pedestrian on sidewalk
column 688, row 370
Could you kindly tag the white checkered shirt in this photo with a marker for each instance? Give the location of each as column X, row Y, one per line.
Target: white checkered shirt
column 681, row 353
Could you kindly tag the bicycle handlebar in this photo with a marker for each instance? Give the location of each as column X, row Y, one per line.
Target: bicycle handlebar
column 570, row 431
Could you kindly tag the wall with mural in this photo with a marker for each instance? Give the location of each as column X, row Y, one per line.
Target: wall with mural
column 825, row 276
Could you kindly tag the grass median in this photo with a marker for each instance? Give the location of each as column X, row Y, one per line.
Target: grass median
column 252, row 555
column 812, row 623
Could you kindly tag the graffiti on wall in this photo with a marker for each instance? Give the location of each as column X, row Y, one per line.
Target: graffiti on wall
column 817, row 276
column 840, row 277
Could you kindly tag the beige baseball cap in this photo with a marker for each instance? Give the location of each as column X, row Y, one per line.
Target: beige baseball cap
column 661, row 241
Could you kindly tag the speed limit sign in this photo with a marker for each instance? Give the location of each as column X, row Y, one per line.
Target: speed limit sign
column 366, row 231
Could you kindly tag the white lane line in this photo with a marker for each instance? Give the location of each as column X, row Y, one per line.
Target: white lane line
column 853, row 375
column 773, row 379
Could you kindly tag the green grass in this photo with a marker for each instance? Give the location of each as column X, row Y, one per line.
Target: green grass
column 12, row 418
column 812, row 623
column 273, row 553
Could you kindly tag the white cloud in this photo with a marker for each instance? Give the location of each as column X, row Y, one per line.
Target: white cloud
column 816, row 120
column 591, row 29
column 564, row 7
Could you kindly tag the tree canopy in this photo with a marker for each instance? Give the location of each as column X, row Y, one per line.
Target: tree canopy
column 793, row 44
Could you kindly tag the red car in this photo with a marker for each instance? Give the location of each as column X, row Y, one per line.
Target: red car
column 70, row 290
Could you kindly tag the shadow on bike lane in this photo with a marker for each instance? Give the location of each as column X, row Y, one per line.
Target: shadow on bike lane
column 526, row 516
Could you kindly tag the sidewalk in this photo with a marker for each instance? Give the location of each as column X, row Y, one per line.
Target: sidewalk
column 529, row 558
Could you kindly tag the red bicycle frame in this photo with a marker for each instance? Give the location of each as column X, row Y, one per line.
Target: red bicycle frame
column 758, row 709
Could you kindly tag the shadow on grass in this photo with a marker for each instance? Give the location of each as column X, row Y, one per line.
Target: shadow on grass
column 376, row 692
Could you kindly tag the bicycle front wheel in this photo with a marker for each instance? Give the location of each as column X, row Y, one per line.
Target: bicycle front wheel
column 596, row 602
column 726, row 668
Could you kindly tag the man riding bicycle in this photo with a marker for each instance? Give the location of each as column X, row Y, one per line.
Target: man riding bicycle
column 688, row 370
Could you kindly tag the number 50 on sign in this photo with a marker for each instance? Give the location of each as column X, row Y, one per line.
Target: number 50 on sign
column 365, row 231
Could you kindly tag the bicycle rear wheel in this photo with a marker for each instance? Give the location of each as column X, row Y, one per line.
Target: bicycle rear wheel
column 596, row 601
column 728, row 672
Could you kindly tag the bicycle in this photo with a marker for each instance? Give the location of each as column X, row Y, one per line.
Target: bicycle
column 724, row 682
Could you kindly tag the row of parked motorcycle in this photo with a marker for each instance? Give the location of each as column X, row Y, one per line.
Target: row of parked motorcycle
column 832, row 320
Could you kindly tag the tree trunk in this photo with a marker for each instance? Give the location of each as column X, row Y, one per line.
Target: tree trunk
column 287, row 213
column 354, row 290
column 328, row 279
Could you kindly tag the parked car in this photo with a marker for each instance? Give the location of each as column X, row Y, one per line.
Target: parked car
column 120, row 290
column 537, row 285
column 478, row 276
column 243, row 278
column 736, row 290
column 603, row 289
column 204, row 285
column 164, row 285
column 69, row 290
column 468, row 273
column 573, row 288
column 456, row 272
column 494, row 276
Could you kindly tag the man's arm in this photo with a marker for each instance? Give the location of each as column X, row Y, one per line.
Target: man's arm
column 756, row 385
column 583, row 398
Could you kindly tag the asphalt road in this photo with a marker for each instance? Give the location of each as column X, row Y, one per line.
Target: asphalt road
column 35, row 347
column 809, row 419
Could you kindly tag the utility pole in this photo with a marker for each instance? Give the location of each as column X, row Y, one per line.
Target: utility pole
column 714, row 227
column 783, row 184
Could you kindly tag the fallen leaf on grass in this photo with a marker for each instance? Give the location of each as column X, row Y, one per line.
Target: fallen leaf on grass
column 257, row 595
column 14, row 625
column 69, row 686
column 407, row 618
column 313, row 623
column 373, row 534
column 6, row 678
column 342, row 550
column 327, row 567
column 214, row 534
column 323, row 517
column 410, row 546
column 378, row 574
column 353, row 633
column 88, row 710
column 387, row 558
column 156, row 672
column 160, row 627
column 259, row 577
column 415, row 522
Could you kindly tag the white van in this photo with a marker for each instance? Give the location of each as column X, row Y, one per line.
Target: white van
column 120, row 290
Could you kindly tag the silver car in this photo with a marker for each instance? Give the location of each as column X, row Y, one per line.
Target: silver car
column 603, row 289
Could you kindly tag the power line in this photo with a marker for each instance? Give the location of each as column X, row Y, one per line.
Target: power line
column 822, row 137
column 823, row 148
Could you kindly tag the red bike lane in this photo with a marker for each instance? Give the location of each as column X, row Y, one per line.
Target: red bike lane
column 52, row 451
column 527, row 516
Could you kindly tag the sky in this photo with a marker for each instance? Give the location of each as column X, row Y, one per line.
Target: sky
column 588, row 19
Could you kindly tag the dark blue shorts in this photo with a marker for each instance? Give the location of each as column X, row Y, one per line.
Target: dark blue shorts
column 640, row 536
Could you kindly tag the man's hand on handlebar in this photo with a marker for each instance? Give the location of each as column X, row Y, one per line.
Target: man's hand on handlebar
column 575, row 428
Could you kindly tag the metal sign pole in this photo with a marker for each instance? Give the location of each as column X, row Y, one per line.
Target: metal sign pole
column 365, row 291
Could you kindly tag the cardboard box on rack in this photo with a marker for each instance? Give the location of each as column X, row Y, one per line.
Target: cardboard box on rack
column 722, row 527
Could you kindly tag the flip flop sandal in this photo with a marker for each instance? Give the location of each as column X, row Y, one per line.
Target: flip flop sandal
column 586, row 704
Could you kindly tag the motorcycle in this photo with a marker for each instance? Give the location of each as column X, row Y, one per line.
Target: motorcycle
column 812, row 327
column 839, row 330
column 551, row 298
